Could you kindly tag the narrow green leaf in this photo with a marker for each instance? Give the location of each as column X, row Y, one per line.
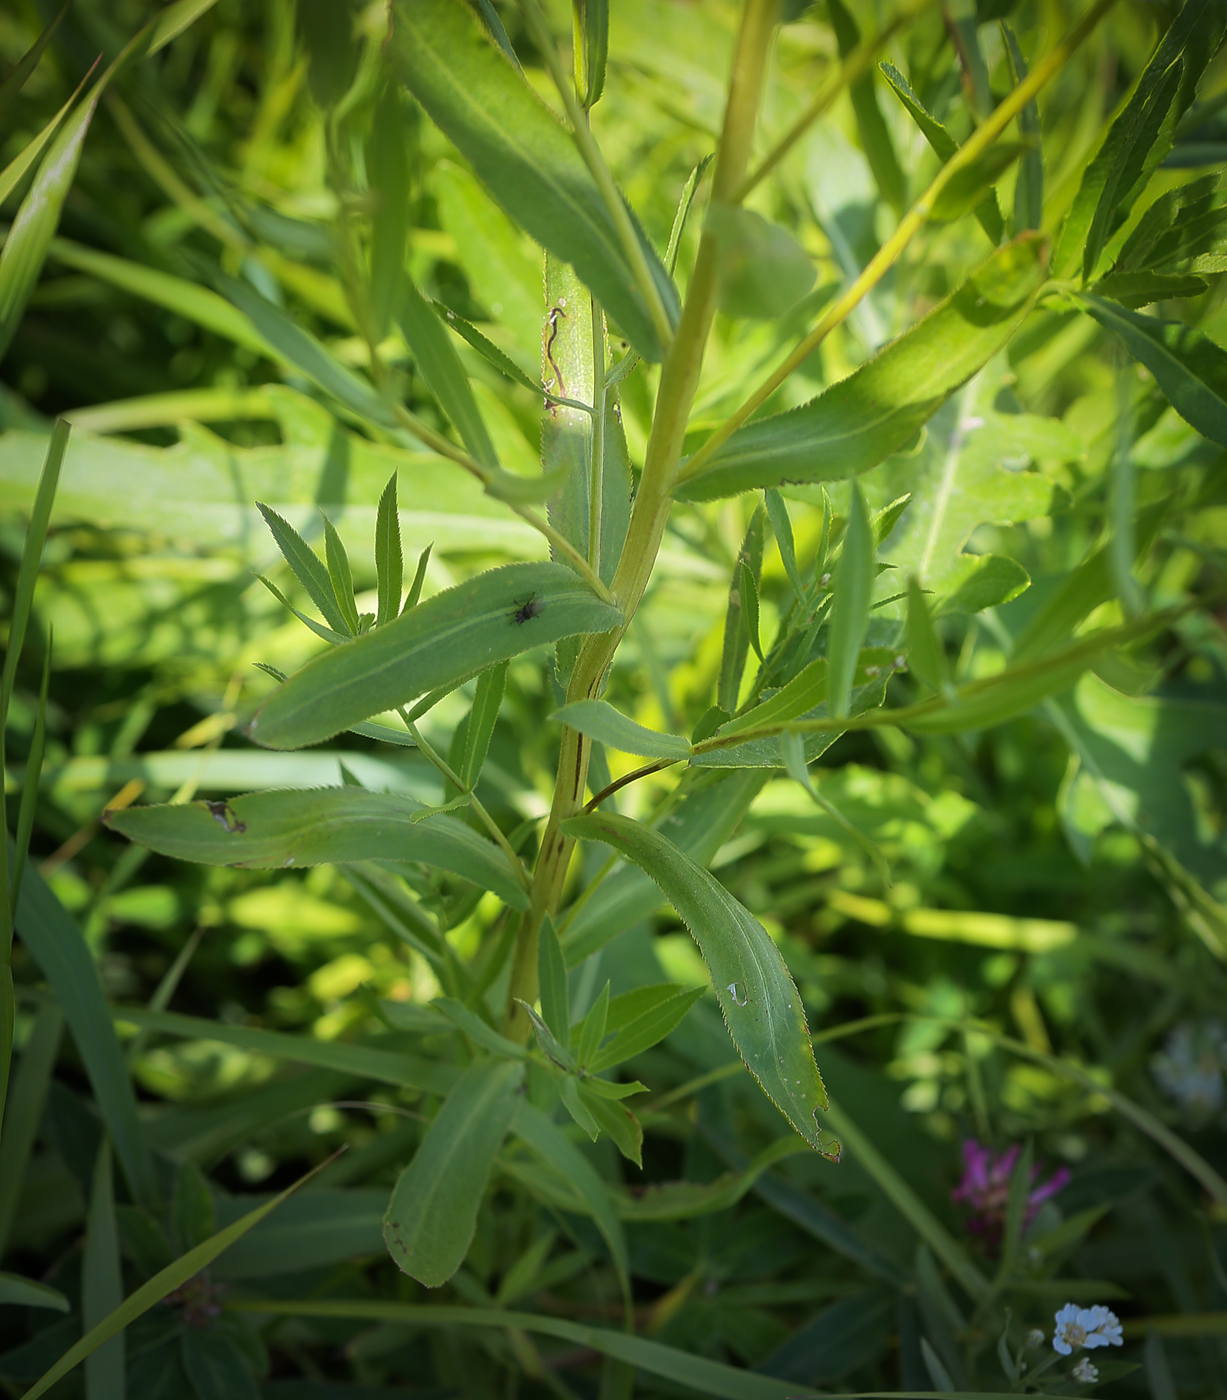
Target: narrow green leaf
column 487, row 348
column 55, row 943
column 387, row 168
column 14, row 172
column 477, row 1030
column 27, row 63
column 1029, row 189
column 682, row 214
column 102, row 1289
column 709, row 1378
column 777, row 512
column 556, row 1150
column 761, row 1006
column 1188, row 366
column 614, row 1119
column 576, row 1105
column 389, row 561
column 362, row 1061
column 862, row 419
column 341, row 576
column 307, row 568
column 25, row 249
column 971, row 186
column 1138, row 139
column 455, row 634
column 699, row 825
column 432, row 1215
column 163, row 1283
column 29, row 787
column 304, row 352
column 988, row 211
column 854, row 581
column 523, row 154
column 599, row 720
column 487, row 698
column 550, row 1047
column 1138, row 289
column 436, row 358
column 31, row 559
column 27, row 1293
column 592, row 23
column 324, row 633
column 875, row 137
column 318, row 826
column 748, row 592
column 194, row 303
column 24, row 1110
column 926, row 657
column 419, row 577
column 647, row 1029
column 736, row 636
column 762, row 269
column 592, row 1028
column 552, row 979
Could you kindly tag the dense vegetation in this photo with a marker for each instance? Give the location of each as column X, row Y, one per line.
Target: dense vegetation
column 792, row 610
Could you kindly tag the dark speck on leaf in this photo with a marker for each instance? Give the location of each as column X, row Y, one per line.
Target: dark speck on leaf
column 526, row 611
column 223, row 813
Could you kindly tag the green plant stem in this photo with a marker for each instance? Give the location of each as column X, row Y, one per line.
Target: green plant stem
column 445, row 448
column 678, row 381
column 855, row 66
column 632, row 248
column 911, row 224
column 432, row 756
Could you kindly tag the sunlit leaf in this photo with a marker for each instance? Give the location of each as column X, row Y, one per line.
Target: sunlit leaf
column 856, row 423
column 455, row 634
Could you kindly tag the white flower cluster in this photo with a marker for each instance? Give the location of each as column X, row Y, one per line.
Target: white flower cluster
column 1082, row 1329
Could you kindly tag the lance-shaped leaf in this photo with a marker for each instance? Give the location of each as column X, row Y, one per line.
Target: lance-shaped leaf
column 987, row 211
column 25, row 248
column 523, row 154
column 854, row 580
column 453, row 635
column 432, row 1215
column 599, row 720
column 436, row 358
column 875, row 136
column 1188, row 366
column 1139, row 138
column 858, row 422
column 761, row 1005
column 321, row 826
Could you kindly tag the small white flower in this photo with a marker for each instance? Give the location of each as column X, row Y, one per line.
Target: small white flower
column 1084, row 1373
column 1079, row 1328
column 1033, row 1339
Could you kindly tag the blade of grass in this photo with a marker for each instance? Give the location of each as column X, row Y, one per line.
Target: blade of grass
column 162, row 1283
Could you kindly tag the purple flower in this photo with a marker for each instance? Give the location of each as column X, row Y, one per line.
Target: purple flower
column 985, row 1188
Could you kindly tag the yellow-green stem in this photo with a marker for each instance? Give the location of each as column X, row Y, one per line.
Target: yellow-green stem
column 678, row 381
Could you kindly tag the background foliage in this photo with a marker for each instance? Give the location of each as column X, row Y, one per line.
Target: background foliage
column 1007, row 930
